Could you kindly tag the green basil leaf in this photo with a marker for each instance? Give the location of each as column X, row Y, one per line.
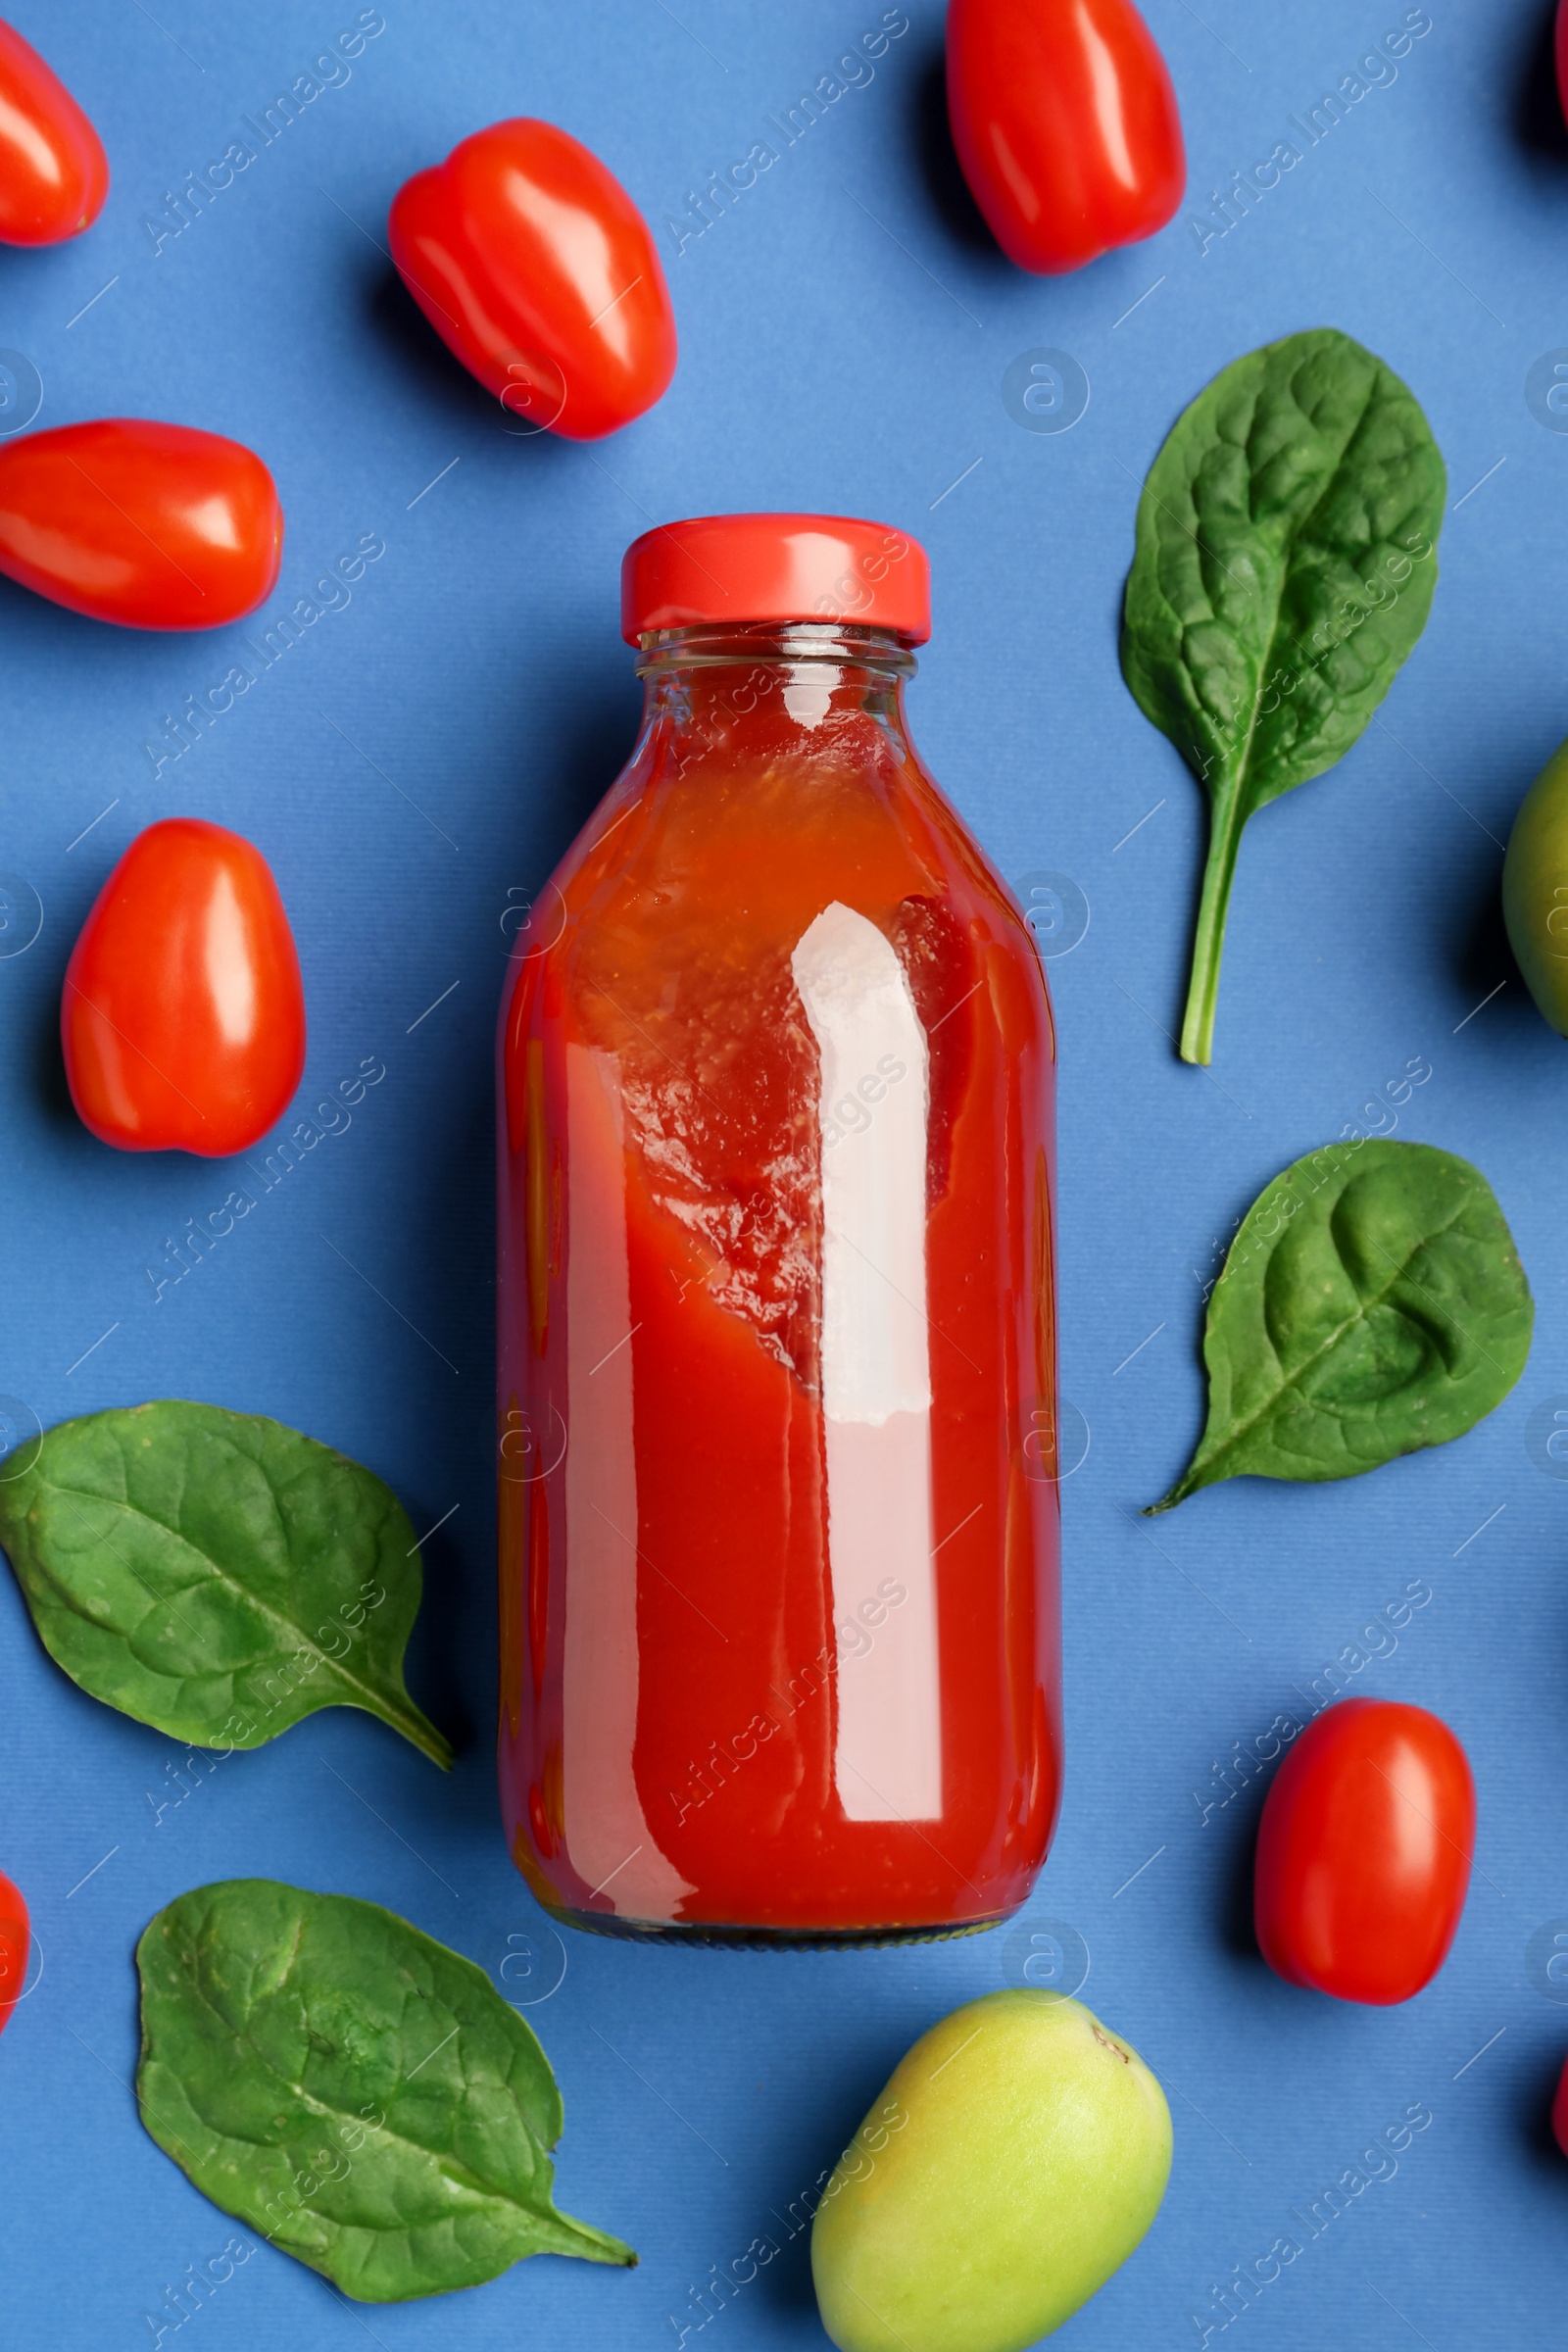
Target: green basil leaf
column 214, row 1574
column 351, row 2088
column 1372, row 1304
column 1284, row 568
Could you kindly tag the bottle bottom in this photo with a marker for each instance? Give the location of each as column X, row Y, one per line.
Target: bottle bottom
column 778, row 1939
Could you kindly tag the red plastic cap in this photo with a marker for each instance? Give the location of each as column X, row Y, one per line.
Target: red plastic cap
column 743, row 569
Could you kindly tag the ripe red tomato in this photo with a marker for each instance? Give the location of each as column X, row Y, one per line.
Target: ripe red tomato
column 182, row 1015
column 1363, row 1852
column 155, row 526
column 532, row 263
column 1562, row 100
column 54, row 173
column 1559, row 2112
column 1066, row 125
column 14, row 1940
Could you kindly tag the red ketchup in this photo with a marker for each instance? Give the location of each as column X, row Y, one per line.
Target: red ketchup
column 779, row 1511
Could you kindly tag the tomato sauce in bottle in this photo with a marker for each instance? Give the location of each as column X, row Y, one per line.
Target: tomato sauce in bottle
column 778, row 1505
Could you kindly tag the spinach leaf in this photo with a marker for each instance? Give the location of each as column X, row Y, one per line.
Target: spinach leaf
column 351, row 2088
column 214, row 1574
column 1284, row 568
column 1372, row 1304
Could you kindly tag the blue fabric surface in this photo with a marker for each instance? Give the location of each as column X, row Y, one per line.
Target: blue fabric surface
column 418, row 760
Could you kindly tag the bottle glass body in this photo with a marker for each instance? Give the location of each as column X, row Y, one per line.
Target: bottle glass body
column 777, row 1477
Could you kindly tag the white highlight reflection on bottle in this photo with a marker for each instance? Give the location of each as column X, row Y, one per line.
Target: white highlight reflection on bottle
column 609, row 1839
column 874, row 1114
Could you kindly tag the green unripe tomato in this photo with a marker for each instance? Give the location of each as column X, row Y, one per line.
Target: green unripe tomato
column 1016, row 2157
column 1534, row 890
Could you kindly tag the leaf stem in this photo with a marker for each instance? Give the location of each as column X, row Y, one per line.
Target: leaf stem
column 593, row 2245
column 416, row 1727
column 1208, row 938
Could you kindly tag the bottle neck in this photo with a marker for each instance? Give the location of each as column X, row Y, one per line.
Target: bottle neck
column 798, row 673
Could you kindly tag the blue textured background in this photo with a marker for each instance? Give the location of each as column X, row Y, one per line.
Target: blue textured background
column 844, row 330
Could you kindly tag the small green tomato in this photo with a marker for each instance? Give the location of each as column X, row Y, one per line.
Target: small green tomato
column 1534, row 890
column 1015, row 2159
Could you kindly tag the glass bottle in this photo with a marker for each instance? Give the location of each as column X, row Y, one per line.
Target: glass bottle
column 778, row 1503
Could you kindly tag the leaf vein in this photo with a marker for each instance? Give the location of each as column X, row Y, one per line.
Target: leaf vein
column 1364, row 1307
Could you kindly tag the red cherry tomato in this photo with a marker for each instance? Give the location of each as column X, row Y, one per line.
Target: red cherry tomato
column 155, row 526
column 54, row 175
column 13, row 1941
column 1066, row 125
column 532, row 263
column 182, row 1015
column 1363, row 1852
column 1559, row 2112
column 1562, row 55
